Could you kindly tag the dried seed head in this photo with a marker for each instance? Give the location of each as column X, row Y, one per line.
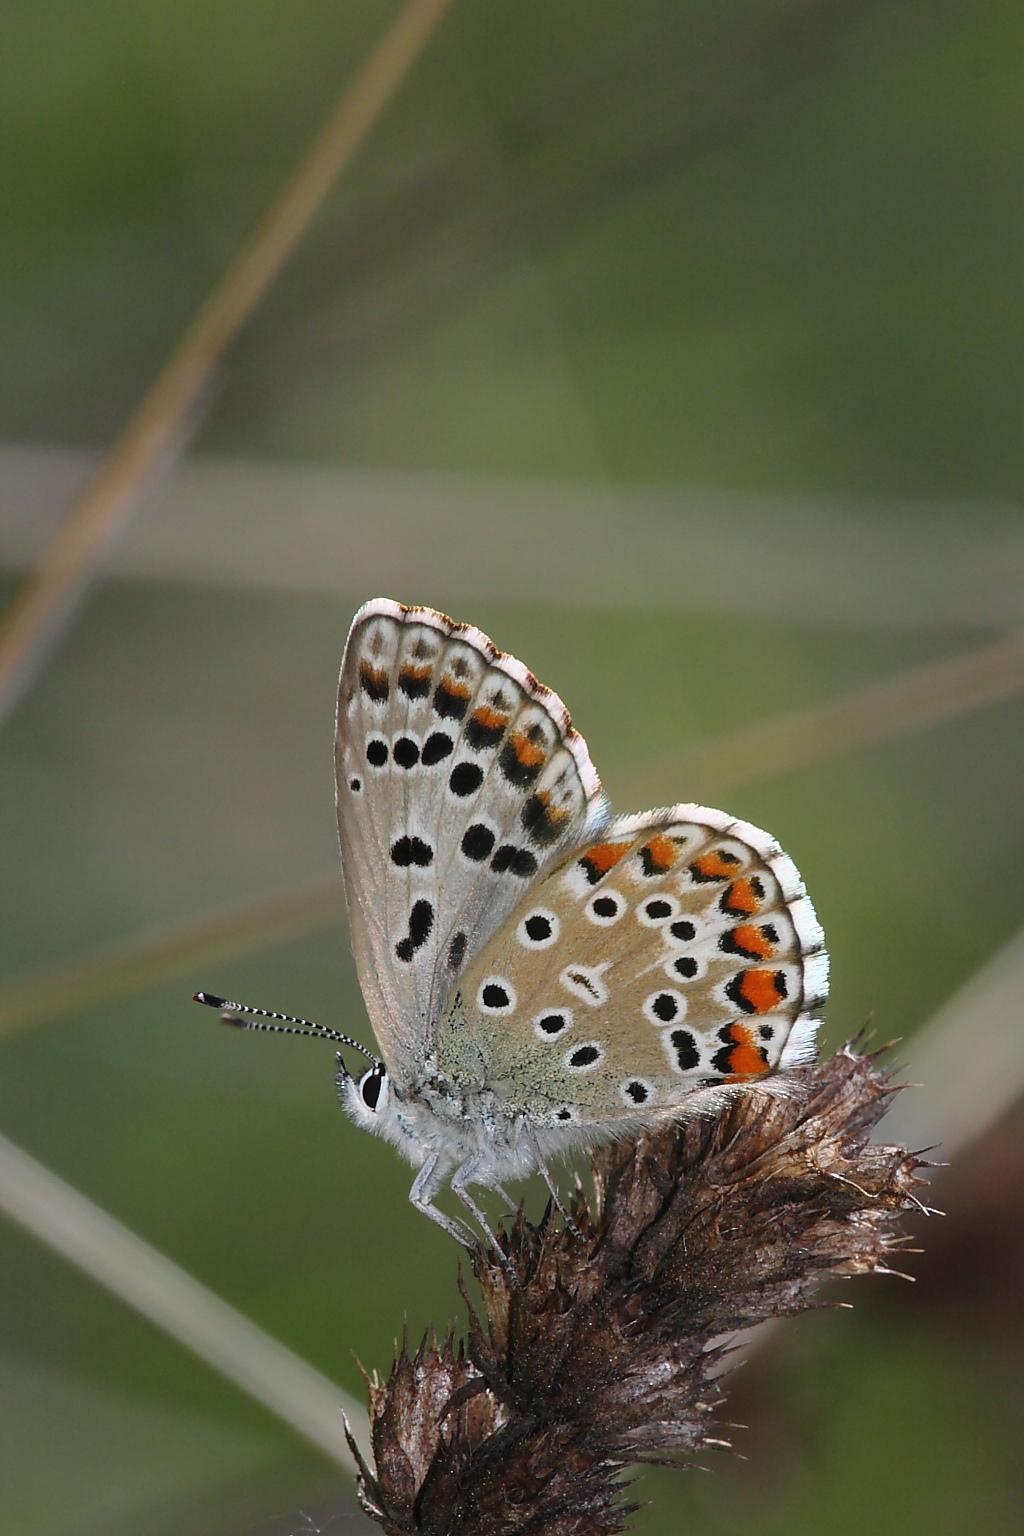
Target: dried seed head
column 600, row 1352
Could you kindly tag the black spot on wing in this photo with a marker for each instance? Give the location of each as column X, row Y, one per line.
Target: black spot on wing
column 405, row 752
column 436, row 748
column 414, row 682
column 450, row 702
column 540, row 820
column 485, row 729
column 584, row 1056
column 411, row 850
column 457, row 952
column 519, row 770
column 685, row 1047
column 514, row 861
column 374, row 682
column 421, row 922
column 465, row 779
column 477, row 842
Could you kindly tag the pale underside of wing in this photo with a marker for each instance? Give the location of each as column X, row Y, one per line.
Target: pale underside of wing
column 460, row 781
column 675, row 954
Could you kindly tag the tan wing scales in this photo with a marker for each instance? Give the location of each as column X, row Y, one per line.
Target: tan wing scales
column 676, row 952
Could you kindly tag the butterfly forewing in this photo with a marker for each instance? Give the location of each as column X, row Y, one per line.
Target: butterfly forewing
column 460, row 784
column 676, row 951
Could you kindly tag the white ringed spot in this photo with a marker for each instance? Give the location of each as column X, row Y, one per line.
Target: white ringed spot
column 377, row 752
column 539, row 929
column 635, row 1092
column 682, row 1051
column 655, row 911
column 585, row 1057
column 605, row 908
column 496, row 996
column 479, row 840
column 550, row 1023
column 665, row 1007
column 682, row 931
column 405, row 750
column 684, row 968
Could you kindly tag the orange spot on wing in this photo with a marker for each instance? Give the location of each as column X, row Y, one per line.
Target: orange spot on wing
column 714, row 866
column 659, row 855
column 526, row 751
column 746, row 1059
column 553, row 812
column 374, row 681
column 753, row 941
column 490, row 719
column 741, row 898
column 457, row 690
column 761, row 990
column 416, row 674
column 604, row 856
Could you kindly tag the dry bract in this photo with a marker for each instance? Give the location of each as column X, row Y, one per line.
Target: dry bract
column 605, row 1350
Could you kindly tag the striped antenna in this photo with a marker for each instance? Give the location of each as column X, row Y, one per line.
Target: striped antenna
column 230, row 1014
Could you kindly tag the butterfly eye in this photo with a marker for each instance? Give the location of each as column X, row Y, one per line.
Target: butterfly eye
column 370, row 1085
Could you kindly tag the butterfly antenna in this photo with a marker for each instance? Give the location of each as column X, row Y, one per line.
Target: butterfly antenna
column 231, row 1013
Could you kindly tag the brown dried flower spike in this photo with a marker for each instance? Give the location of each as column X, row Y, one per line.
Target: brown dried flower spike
column 602, row 1351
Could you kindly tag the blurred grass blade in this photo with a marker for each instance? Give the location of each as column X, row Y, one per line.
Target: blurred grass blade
column 125, row 969
column 218, row 523
column 911, row 701
column 44, row 605
column 968, row 1060
column 153, row 1285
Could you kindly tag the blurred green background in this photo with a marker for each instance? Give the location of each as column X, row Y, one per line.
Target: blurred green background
column 678, row 345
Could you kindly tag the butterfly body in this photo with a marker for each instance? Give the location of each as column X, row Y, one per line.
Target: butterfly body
column 541, row 976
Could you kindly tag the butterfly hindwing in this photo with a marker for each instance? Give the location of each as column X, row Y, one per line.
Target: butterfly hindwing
column 460, row 783
column 675, row 952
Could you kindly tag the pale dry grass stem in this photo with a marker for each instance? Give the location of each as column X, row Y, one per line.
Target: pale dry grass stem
column 99, row 514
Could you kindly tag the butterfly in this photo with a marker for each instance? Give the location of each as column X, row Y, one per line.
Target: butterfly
column 541, row 976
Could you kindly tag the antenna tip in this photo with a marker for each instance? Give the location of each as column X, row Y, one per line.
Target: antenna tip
column 209, row 999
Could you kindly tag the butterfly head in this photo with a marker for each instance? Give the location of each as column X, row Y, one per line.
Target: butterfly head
column 365, row 1099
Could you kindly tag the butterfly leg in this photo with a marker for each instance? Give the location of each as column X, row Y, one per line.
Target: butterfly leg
column 545, row 1173
column 424, row 1187
column 464, row 1175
